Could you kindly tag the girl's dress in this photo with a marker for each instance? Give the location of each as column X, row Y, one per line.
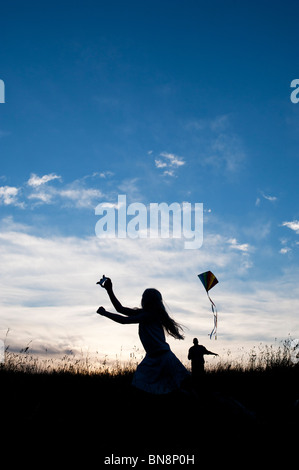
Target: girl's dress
column 160, row 371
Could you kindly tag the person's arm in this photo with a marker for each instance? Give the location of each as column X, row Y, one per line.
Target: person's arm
column 121, row 319
column 115, row 302
column 210, row 353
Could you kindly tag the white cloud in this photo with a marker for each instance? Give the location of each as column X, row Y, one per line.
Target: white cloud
column 170, row 162
column 81, row 197
column 244, row 249
column 169, row 172
column 285, row 250
column 293, row 225
column 103, row 174
column 75, row 194
column 174, row 160
column 265, row 196
column 160, row 164
column 9, row 224
column 270, row 198
column 238, row 246
column 45, row 196
column 36, row 181
column 97, row 174
column 9, row 196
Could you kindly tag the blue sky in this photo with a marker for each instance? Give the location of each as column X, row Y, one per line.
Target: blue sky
column 164, row 102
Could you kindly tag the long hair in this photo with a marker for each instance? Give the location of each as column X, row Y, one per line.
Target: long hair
column 152, row 301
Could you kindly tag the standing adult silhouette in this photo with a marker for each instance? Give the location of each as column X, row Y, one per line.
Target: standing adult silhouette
column 196, row 356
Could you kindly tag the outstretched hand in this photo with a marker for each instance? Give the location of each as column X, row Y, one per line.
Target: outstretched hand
column 101, row 311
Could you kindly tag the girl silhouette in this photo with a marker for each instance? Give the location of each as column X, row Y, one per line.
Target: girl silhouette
column 160, row 371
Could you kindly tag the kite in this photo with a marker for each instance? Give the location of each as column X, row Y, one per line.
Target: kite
column 209, row 280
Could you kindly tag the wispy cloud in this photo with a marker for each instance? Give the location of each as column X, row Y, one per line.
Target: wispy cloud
column 226, row 152
column 244, row 249
column 267, row 197
column 173, row 160
column 71, row 195
column 130, row 187
column 39, row 190
column 221, row 148
column 97, row 174
column 169, row 162
column 288, row 245
column 238, row 246
column 36, row 181
column 217, row 124
column 43, row 196
column 270, row 198
column 81, row 197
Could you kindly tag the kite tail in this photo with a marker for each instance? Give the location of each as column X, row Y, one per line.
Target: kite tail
column 215, row 314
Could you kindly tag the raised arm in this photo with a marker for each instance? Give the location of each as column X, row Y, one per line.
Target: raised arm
column 115, row 302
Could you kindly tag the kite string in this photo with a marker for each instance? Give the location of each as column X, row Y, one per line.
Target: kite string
column 214, row 310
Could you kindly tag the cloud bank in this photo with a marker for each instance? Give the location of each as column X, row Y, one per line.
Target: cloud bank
column 49, row 294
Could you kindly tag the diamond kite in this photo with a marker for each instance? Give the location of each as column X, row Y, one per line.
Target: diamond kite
column 209, row 280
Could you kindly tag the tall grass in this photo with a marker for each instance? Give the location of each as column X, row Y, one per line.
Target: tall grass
column 31, row 363
column 259, row 358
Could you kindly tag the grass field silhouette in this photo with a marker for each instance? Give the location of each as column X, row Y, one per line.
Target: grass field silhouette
column 250, row 406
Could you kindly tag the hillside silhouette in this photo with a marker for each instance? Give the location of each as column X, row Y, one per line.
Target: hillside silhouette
column 98, row 414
